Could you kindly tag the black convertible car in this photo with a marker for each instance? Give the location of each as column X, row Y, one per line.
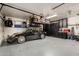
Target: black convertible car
column 25, row 36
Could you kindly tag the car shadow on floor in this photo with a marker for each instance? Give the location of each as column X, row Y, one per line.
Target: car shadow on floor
column 15, row 43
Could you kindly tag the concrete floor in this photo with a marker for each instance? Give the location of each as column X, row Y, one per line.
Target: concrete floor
column 49, row 46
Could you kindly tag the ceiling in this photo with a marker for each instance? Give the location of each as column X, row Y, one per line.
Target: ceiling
column 41, row 9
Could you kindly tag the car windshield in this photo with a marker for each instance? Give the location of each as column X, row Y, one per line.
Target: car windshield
column 29, row 30
column 14, row 34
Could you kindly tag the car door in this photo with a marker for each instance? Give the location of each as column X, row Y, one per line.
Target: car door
column 35, row 35
column 28, row 35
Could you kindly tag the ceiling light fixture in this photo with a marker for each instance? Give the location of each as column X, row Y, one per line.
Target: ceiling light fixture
column 51, row 16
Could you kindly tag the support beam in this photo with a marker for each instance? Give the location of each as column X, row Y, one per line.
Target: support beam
column 19, row 9
column 58, row 6
column 1, row 8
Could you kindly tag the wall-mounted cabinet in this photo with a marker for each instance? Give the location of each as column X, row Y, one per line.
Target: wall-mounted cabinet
column 53, row 28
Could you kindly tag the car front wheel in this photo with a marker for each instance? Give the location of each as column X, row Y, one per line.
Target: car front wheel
column 21, row 39
column 42, row 36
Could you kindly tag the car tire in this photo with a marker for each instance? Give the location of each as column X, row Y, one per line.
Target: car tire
column 77, row 39
column 42, row 36
column 21, row 39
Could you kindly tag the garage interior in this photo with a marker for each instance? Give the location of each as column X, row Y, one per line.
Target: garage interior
column 50, row 22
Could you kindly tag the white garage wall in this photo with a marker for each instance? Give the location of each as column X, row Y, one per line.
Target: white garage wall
column 1, row 30
column 11, row 30
column 72, row 21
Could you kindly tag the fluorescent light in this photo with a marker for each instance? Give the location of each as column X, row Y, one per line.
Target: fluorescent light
column 51, row 16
